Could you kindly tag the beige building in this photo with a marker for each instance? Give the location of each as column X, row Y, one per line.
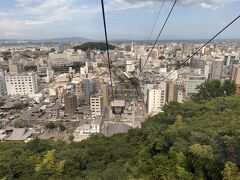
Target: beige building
column 96, row 103
column 171, row 92
column 236, row 77
column 14, row 67
column 105, row 95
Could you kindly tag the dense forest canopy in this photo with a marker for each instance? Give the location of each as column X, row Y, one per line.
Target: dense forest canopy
column 194, row 140
column 94, row 45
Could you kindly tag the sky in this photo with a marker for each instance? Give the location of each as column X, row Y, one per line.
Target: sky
column 126, row 19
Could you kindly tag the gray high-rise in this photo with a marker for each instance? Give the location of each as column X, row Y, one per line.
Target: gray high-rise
column 217, row 68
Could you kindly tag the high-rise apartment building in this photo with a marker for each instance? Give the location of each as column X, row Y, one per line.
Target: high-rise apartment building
column 70, row 102
column 156, row 98
column 105, row 94
column 130, row 66
column 236, row 77
column 143, row 60
column 171, row 91
column 24, row 83
column 96, row 102
column 3, row 88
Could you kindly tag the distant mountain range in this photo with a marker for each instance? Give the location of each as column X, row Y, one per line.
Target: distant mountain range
column 84, row 40
column 54, row 40
column 67, row 39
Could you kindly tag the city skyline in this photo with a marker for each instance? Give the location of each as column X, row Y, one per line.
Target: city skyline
column 126, row 19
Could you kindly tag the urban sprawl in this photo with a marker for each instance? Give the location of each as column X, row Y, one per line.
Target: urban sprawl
column 57, row 91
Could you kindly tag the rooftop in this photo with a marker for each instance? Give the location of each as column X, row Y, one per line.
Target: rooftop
column 118, row 103
column 19, row 134
column 118, row 128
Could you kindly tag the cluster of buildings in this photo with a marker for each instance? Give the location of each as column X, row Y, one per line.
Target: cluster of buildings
column 74, row 85
column 169, row 74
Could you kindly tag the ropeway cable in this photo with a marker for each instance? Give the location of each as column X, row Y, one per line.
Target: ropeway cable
column 107, row 46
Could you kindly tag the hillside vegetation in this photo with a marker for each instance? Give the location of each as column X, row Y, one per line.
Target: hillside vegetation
column 93, row 45
column 194, row 140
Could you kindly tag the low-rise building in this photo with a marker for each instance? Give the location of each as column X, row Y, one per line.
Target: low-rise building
column 84, row 131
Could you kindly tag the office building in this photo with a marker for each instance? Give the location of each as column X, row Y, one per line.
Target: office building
column 24, row 83
column 14, row 67
column 70, row 102
column 60, row 48
column 217, row 69
column 194, row 79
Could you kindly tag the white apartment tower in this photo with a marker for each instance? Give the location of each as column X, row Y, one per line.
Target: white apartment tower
column 23, row 84
column 130, row 66
column 96, row 102
column 156, row 98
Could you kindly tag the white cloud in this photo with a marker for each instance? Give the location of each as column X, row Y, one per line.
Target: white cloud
column 28, row 15
column 3, row 14
column 12, row 34
column 210, row 4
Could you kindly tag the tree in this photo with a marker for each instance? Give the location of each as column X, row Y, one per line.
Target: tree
column 49, row 166
column 2, row 103
column 20, row 105
column 71, row 137
column 6, row 55
column 212, row 89
column 93, row 45
column 229, row 88
column 52, row 50
column 231, row 171
column 30, row 68
column 200, row 155
column 62, row 127
column 135, row 82
column 50, row 125
column 18, row 124
column 193, row 140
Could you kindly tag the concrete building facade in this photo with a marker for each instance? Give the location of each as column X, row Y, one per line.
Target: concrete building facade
column 70, row 102
column 24, row 83
column 3, row 88
column 236, row 77
column 157, row 98
column 96, row 103
column 217, row 69
column 105, row 94
column 171, row 92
